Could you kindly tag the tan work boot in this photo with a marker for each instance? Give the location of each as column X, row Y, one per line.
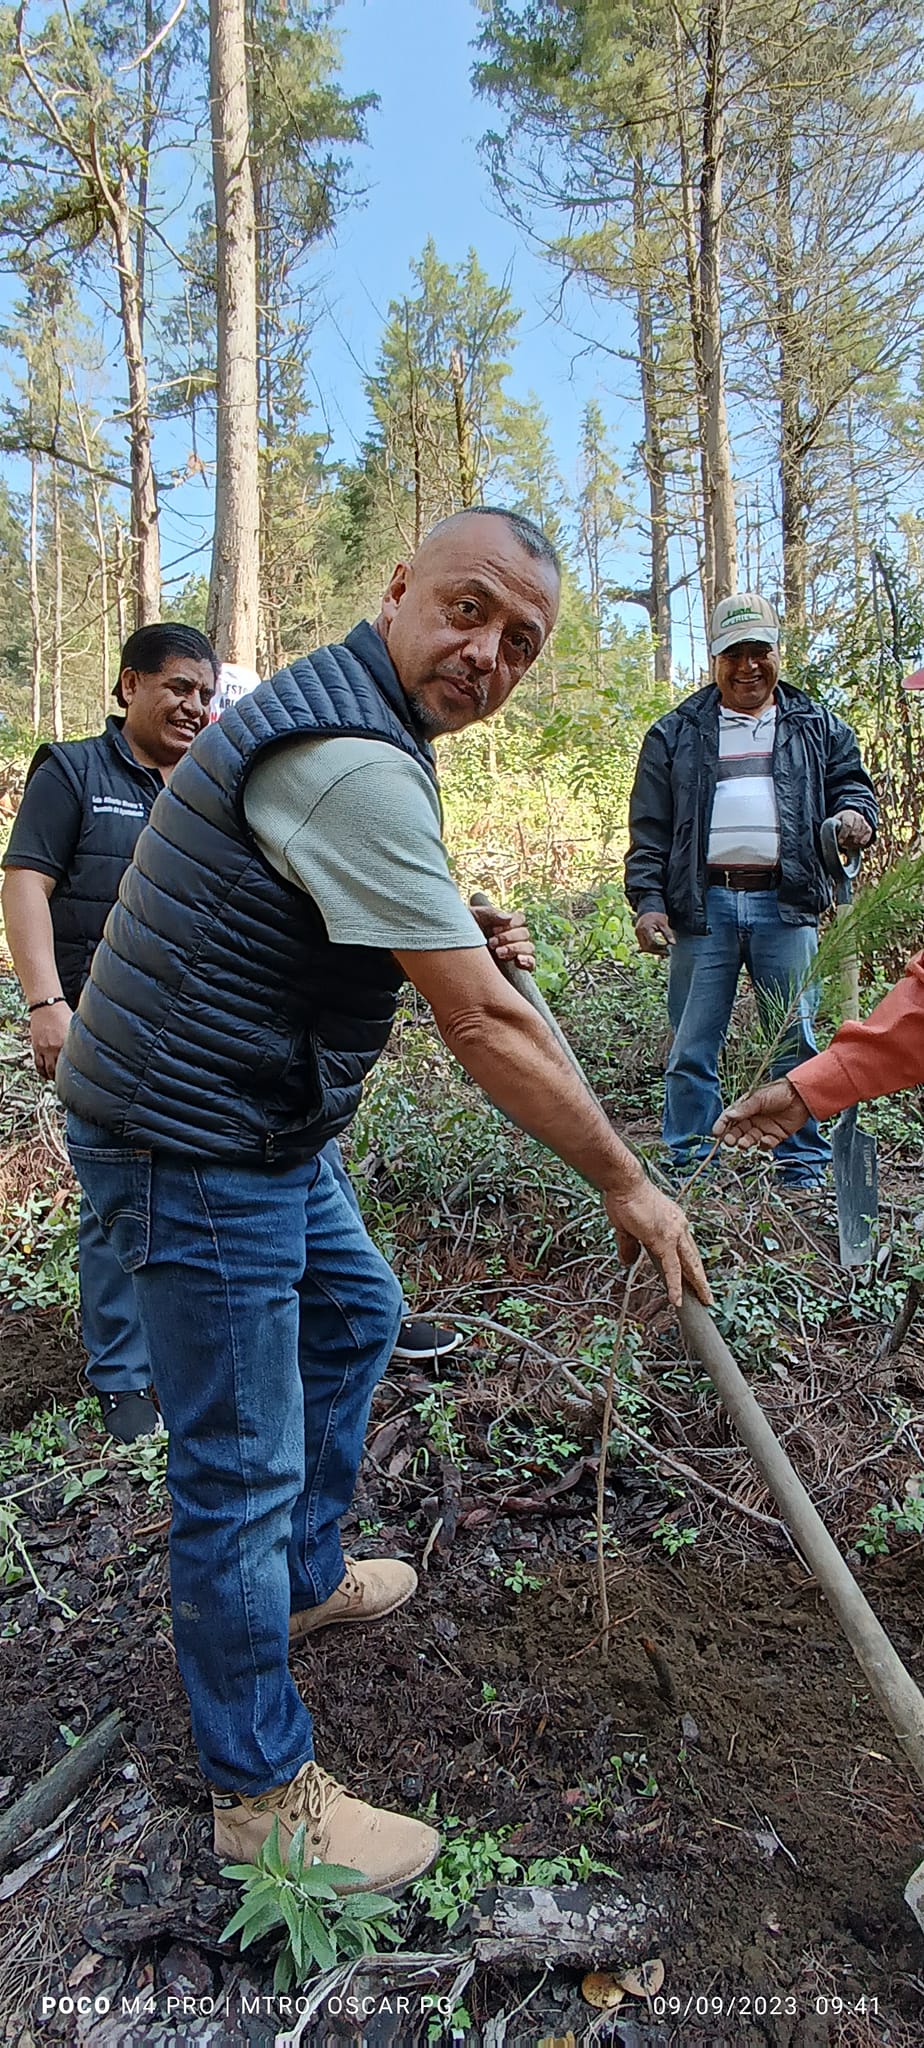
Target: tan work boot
column 371, row 1587
column 386, row 1850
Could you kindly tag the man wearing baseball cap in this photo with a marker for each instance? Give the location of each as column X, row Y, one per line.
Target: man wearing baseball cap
column 724, row 867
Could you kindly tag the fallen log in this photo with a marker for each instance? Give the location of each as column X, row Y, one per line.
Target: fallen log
column 42, row 1802
column 122, row 1934
column 577, row 1925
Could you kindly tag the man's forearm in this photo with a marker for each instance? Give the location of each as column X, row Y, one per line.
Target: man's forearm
column 878, row 1057
column 29, row 933
column 512, row 1055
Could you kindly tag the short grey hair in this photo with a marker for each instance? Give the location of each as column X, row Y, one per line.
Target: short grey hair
column 530, row 536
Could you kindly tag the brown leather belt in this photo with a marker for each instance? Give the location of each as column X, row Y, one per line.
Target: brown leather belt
column 744, row 878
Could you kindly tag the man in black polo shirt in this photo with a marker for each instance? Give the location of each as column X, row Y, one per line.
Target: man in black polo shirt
column 84, row 805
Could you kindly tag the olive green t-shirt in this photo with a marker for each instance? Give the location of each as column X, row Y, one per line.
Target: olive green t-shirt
column 356, row 823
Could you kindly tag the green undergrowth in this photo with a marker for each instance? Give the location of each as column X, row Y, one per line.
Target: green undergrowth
column 468, row 1863
column 66, row 1457
column 477, row 1215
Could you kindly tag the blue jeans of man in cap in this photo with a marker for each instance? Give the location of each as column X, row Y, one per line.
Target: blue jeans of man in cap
column 269, row 1318
column 745, row 930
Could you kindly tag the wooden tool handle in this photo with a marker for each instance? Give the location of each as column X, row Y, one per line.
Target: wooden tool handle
column 895, row 1689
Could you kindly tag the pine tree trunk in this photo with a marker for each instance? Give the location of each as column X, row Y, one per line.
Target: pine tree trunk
column 855, row 542
column 57, row 649
column 694, row 294
column 463, row 429
column 793, row 494
column 269, row 646
column 35, row 612
column 719, row 508
column 100, row 531
column 144, row 167
column 652, row 449
column 233, row 606
column 120, row 583
column 145, row 529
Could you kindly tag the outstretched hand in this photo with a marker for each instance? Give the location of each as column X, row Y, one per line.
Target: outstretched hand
column 647, row 1218
column 764, row 1118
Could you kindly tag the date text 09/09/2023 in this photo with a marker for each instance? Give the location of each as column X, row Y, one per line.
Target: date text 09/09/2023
column 760, row 2005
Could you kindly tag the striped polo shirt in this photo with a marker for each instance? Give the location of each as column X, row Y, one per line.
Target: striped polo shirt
column 744, row 830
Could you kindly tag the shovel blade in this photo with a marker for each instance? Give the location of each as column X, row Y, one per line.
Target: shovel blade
column 856, row 1186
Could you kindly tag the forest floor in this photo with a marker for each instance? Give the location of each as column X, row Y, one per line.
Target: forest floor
column 725, row 1760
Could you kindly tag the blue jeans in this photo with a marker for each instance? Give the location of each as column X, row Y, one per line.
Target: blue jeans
column 745, row 930
column 332, row 1153
column 269, row 1317
column 117, row 1356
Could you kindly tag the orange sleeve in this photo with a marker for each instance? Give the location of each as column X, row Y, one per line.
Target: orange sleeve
column 877, row 1057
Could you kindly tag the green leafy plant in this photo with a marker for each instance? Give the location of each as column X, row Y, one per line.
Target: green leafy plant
column 469, row 1863
column 671, row 1538
column 519, row 1580
column 15, row 1561
column 321, row 1925
column 518, row 1313
column 457, row 2025
column 146, row 1461
column 904, row 1519
column 626, row 1778
column 526, row 1446
column 438, row 1413
column 40, row 1253
column 41, row 1443
column 81, row 1482
column 11, row 1548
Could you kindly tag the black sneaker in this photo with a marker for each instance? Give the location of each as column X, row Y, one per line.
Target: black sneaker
column 422, row 1341
column 128, row 1415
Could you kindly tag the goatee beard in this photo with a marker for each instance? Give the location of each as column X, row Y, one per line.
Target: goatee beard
column 426, row 723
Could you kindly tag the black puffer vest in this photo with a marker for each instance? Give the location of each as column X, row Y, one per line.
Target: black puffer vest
column 117, row 796
column 218, row 1019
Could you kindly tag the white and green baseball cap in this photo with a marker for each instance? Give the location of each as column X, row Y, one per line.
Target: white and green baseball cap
column 743, row 617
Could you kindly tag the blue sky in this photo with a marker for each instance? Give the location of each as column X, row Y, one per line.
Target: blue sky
column 422, row 176
column 425, row 178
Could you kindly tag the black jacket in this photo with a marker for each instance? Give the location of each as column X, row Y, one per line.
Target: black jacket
column 219, row 1021
column 113, row 796
column 816, row 771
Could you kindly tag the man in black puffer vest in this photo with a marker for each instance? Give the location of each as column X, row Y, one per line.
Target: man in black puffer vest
column 85, row 803
column 289, row 879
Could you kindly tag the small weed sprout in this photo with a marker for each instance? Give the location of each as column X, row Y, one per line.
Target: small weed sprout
column 626, row 1778
column 671, row 1538
column 519, row 1580
column 438, row 1413
column 146, row 1461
